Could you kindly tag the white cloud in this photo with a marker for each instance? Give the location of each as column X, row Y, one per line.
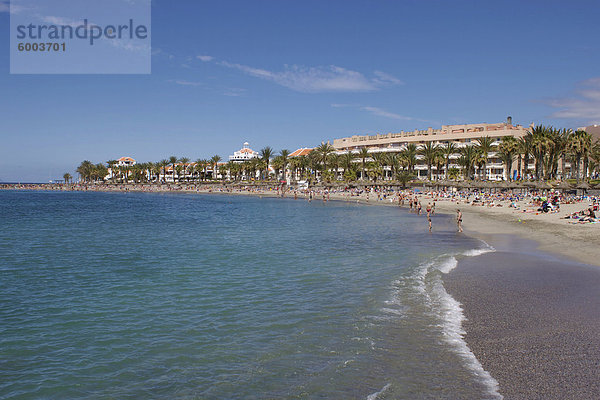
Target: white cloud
column 380, row 112
column 129, row 45
column 317, row 79
column 6, row 7
column 205, row 58
column 383, row 113
column 186, row 83
column 384, row 78
column 234, row 92
column 61, row 21
column 583, row 106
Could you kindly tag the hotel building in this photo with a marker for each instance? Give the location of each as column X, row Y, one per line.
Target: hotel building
column 461, row 135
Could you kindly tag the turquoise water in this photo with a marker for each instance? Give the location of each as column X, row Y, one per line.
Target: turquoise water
column 159, row 296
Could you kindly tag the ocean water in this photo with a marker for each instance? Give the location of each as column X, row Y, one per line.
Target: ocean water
column 175, row 296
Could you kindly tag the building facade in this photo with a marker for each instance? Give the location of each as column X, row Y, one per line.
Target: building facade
column 244, row 154
column 461, row 135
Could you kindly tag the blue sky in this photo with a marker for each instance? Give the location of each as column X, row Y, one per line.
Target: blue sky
column 291, row 74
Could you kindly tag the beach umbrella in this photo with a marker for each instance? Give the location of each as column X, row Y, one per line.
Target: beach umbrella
column 529, row 184
column 564, row 185
column 583, row 186
column 543, row 185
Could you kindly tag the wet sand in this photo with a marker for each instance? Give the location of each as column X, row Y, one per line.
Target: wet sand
column 533, row 320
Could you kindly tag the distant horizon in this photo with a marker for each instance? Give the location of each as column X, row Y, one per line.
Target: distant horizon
column 294, row 74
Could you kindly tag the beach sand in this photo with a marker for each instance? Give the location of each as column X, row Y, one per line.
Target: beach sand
column 533, row 320
column 550, row 232
column 533, row 313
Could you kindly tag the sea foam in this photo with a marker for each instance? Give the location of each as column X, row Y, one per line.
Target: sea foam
column 374, row 396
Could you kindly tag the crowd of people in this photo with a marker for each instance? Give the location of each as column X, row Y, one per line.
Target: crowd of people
column 526, row 201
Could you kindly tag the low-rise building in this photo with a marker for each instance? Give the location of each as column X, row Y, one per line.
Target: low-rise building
column 244, row 154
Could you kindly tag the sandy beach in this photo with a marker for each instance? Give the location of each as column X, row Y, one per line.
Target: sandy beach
column 531, row 320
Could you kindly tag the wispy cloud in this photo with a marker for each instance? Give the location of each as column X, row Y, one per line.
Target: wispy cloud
column 380, row 112
column 129, row 45
column 186, row 83
column 6, row 7
column 234, row 92
column 383, row 113
column 385, row 78
column 582, row 106
column 50, row 19
column 311, row 79
column 315, row 79
column 156, row 52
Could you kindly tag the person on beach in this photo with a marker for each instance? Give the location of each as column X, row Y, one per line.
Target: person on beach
column 418, row 208
column 459, row 220
column 429, row 220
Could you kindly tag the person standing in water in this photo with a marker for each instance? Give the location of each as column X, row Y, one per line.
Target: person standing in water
column 429, row 220
column 459, row 220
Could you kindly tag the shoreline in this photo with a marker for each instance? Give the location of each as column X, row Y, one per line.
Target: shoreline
column 580, row 242
column 530, row 306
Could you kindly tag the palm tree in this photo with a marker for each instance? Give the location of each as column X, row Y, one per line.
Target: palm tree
column 562, row 149
column 595, row 158
column 468, row 157
column 404, row 177
column 265, row 154
column 395, row 162
column 347, row 161
column 85, row 170
column 156, row 168
column 380, row 160
column 524, row 149
column 363, row 154
column 184, row 161
column 448, row 150
column 173, row 161
column 98, row 172
column 484, row 146
column 507, row 150
column 322, row 152
column 163, row 164
column 579, row 147
column 540, row 145
column 409, row 154
column 284, row 154
column 334, row 161
column 439, row 161
column 214, row 160
column 429, row 152
column 67, row 177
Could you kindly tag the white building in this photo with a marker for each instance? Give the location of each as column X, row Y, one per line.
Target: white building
column 126, row 162
column 244, row 154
